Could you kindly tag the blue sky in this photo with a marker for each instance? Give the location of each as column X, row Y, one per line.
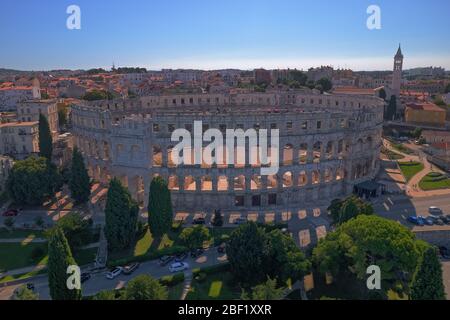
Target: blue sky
column 213, row 34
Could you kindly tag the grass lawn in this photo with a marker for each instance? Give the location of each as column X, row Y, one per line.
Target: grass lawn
column 147, row 245
column 13, row 234
column 410, row 169
column 219, row 286
column 400, row 147
column 391, row 154
column 434, row 181
column 19, row 255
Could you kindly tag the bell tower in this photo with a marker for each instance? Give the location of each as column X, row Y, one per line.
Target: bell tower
column 397, row 74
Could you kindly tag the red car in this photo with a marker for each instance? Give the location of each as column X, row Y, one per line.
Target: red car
column 11, row 213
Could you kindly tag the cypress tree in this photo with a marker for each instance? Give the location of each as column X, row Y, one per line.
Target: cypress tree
column 427, row 283
column 45, row 138
column 59, row 258
column 160, row 214
column 121, row 213
column 79, row 183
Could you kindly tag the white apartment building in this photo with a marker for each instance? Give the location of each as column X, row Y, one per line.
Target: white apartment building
column 19, row 139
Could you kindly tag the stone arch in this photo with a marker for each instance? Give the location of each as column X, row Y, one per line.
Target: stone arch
column 288, row 154
column 302, row 179
column 173, row 183
column 303, row 153
column 256, row 183
column 272, row 181
column 315, row 177
column 287, row 179
column 329, row 150
column 190, row 184
column 156, row 156
column 239, row 183
column 328, row 175
column 317, row 151
column 206, row 183
column 222, row 183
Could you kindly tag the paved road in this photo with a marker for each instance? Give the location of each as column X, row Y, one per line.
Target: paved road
column 98, row 282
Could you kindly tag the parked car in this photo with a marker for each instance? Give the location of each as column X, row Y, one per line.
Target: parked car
column 164, row 260
column 416, row 220
column 199, row 221
column 114, row 273
column 240, row 221
column 30, row 286
column 197, row 252
column 444, row 252
column 435, row 210
column 446, row 219
column 426, row 220
column 181, row 257
column 10, row 213
column 85, row 276
column 130, row 268
column 222, row 248
column 178, row 266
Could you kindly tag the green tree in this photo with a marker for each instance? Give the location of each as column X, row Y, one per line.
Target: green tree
column 194, row 237
column 144, row 287
column 121, row 213
column 343, row 210
column 447, row 88
column 32, row 180
column 247, row 253
column 59, row 258
column 77, row 229
column 62, row 116
column 326, row 84
column 417, row 132
column 45, row 138
column 427, row 283
column 105, row 295
column 79, row 181
column 265, row 291
column 160, row 213
column 298, row 76
column 369, row 240
column 297, row 266
column 23, row 293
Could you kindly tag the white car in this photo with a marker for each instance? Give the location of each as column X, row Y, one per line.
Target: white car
column 114, row 273
column 178, row 266
column 434, row 210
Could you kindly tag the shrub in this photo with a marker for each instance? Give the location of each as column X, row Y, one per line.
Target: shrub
column 172, row 280
column 219, row 268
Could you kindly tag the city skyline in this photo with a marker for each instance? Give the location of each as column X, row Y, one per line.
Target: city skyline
column 203, row 35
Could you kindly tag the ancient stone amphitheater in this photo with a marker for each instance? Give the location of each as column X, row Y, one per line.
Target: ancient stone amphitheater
column 327, row 144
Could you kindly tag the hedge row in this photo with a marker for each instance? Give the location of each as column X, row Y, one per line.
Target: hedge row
column 149, row 256
column 172, row 280
column 223, row 267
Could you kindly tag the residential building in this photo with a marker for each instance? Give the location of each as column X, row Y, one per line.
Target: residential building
column 425, row 113
column 30, row 110
column 19, row 139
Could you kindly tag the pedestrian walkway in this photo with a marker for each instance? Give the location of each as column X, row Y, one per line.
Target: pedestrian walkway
column 187, row 284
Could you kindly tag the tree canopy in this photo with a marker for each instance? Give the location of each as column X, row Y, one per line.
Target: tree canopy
column 427, row 283
column 160, row 213
column 343, row 210
column 45, row 138
column 144, row 287
column 194, row 237
column 59, row 258
column 32, row 180
column 268, row 290
column 121, row 214
column 79, row 181
column 369, row 240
